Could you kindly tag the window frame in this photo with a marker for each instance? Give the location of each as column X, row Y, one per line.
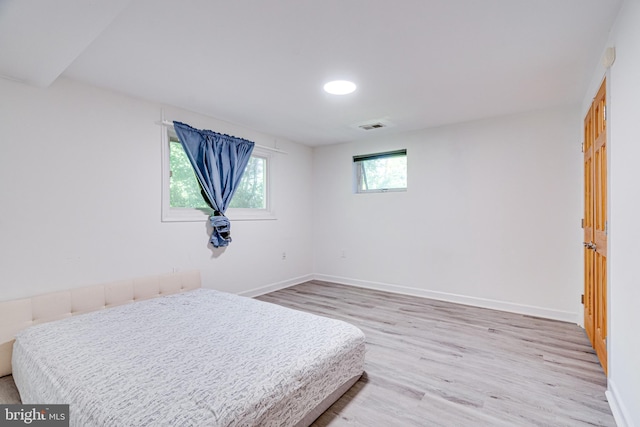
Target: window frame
column 171, row 214
column 358, row 169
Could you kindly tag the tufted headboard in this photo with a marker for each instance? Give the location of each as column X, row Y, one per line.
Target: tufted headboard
column 18, row 314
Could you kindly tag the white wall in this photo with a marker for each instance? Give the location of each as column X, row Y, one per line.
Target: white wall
column 623, row 91
column 80, row 185
column 491, row 215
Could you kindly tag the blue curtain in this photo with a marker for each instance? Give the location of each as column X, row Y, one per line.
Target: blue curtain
column 219, row 162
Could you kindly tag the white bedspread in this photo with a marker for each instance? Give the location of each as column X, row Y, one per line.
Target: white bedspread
column 192, row 359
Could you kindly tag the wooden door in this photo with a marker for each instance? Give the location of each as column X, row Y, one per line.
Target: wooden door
column 587, row 225
column 595, row 225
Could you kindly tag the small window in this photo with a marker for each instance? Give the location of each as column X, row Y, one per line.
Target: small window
column 381, row 172
column 183, row 201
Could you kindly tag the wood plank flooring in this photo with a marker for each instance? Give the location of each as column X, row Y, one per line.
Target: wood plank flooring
column 433, row 363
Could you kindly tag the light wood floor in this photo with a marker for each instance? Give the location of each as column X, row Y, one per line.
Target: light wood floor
column 433, row 363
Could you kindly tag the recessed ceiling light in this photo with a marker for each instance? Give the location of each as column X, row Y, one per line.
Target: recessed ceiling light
column 339, row 87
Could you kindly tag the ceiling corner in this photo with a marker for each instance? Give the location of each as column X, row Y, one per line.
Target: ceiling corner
column 39, row 39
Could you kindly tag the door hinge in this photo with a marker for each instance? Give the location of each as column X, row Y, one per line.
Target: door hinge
column 582, row 223
column 582, row 147
column 582, row 299
column 606, row 227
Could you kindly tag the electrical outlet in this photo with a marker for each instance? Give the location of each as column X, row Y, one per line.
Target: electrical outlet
column 343, row 253
column 284, row 256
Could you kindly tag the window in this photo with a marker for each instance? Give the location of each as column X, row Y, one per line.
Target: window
column 380, row 172
column 182, row 200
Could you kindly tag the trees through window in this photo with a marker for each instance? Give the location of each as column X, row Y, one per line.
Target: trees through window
column 184, row 190
column 181, row 195
column 381, row 172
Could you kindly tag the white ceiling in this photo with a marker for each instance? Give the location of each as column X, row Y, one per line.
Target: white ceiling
column 262, row 64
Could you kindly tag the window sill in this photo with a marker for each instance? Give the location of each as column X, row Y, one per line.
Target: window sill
column 382, row 190
column 196, row 215
column 250, row 215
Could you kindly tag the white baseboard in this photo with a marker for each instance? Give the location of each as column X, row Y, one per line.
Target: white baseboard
column 619, row 410
column 276, row 286
column 565, row 316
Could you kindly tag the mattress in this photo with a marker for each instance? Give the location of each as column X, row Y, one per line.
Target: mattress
column 192, row 359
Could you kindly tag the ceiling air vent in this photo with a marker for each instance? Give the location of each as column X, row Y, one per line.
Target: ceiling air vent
column 371, row 126
column 373, row 123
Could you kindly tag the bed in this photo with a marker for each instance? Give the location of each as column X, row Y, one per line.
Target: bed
column 194, row 357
